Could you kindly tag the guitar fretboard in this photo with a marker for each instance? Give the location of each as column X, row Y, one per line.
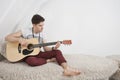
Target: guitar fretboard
column 45, row 44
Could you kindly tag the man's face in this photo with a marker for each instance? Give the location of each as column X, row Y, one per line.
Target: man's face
column 38, row 27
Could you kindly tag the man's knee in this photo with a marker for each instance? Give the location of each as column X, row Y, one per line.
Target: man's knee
column 58, row 52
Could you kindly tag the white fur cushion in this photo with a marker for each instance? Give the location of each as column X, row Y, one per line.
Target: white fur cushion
column 116, row 76
column 91, row 67
column 2, row 47
column 115, row 57
column 1, row 79
column 1, row 57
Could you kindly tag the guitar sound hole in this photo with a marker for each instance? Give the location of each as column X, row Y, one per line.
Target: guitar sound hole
column 30, row 46
column 26, row 51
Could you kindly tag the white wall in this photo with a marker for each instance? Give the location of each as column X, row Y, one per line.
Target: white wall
column 92, row 25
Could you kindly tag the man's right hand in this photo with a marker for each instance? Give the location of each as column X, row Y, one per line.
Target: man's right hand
column 23, row 42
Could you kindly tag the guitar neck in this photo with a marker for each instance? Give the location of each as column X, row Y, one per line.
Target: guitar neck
column 45, row 44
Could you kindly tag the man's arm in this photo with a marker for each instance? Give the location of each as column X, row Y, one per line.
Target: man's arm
column 46, row 48
column 14, row 37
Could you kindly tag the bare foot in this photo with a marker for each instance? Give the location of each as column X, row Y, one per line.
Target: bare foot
column 70, row 72
column 51, row 60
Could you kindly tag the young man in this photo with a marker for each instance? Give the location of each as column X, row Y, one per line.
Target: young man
column 49, row 54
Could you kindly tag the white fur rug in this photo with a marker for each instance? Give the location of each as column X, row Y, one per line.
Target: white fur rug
column 91, row 67
column 116, row 58
column 1, row 79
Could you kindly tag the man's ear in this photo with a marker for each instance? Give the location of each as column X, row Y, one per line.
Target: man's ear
column 34, row 25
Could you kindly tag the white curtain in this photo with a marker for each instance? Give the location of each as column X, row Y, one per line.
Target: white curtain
column 15, row 14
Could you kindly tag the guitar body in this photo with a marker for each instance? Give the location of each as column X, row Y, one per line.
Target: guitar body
column 15, row 52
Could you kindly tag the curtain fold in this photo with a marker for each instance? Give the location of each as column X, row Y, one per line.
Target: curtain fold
column 17, row 14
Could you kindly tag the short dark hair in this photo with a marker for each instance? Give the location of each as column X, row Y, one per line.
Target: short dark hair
column 36, row 19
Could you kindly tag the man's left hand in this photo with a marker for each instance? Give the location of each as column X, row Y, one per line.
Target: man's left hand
column 57, row 45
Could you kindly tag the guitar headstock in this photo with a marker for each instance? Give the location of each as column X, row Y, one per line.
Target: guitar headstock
column 68, row 42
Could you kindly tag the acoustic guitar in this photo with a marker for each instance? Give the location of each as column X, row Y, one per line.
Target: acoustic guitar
column 15, row 52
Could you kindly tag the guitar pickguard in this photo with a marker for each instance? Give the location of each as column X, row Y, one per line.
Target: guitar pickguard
column 26, row 51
